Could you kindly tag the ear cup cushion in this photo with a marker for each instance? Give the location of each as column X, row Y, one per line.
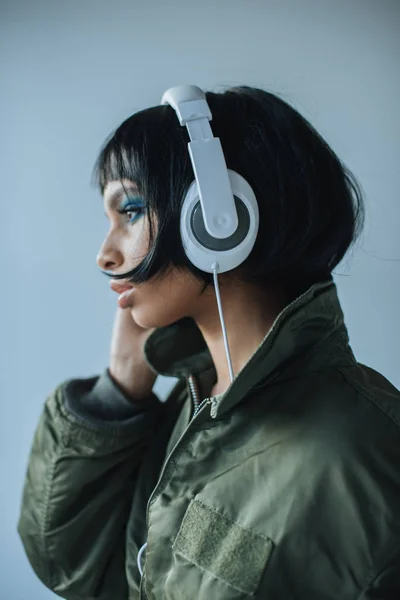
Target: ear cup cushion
column 211, row 243
column 202, row 249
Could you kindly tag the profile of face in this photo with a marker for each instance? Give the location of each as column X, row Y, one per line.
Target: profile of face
column 154, row 303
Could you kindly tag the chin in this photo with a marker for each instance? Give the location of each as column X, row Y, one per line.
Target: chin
column 149, row 317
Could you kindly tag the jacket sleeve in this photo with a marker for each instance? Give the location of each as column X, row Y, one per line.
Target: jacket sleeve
column 79, row 486
column 385, row 585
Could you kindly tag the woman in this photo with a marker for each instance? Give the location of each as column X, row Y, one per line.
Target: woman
column 283, row 483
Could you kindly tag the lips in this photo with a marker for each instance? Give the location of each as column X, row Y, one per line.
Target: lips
column 120, row 288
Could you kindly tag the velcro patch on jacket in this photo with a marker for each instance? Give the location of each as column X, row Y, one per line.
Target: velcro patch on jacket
column 217, row 544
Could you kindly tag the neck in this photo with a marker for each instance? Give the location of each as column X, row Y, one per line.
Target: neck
column 248, row 314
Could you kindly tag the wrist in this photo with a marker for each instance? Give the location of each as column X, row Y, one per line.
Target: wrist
column 136, row 382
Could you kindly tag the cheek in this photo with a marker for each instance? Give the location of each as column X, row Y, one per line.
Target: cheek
column 136, row 244
column 159, row 305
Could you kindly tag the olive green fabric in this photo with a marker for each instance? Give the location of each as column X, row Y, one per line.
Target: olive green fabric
column 221, row 546
column 286, row 486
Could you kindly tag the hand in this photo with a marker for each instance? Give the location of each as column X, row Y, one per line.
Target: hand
column 128, row 366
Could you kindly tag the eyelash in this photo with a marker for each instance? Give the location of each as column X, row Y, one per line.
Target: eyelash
column 131, row 208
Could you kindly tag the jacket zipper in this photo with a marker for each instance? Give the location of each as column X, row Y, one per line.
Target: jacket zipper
column 194, row 388
column 195, row 393
column 200, row 406
column 192, row 383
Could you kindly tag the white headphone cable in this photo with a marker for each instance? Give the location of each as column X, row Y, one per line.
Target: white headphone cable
column 215, row 267
column 139, row 558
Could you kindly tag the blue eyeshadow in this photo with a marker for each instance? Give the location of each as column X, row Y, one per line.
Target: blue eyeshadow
column 132, row 201
column 134, row 204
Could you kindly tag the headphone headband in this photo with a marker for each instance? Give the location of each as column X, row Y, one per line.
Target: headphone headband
column 208, row 161
column 189, row 103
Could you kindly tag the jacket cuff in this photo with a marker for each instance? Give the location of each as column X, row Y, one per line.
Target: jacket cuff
column 100, row 399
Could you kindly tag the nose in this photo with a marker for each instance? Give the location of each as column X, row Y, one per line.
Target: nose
column 108, row 258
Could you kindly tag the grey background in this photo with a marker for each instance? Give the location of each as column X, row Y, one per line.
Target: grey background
column 70, row 73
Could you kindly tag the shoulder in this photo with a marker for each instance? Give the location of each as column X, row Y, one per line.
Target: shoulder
column 356, row 411
column 351, row 405
column 346, row 425
column 335, row 431
column 381, row 396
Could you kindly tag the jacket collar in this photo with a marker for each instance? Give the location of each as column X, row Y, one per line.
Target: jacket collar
column 297, row 341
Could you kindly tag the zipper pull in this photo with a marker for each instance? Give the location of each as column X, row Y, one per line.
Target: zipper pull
column 214, row 407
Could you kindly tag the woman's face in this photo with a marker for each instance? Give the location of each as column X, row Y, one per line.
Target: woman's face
column 153, row 303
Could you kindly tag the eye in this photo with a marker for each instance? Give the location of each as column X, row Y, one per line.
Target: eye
column 133, row 212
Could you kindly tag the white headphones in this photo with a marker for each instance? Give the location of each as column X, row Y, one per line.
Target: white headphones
column 219, row 219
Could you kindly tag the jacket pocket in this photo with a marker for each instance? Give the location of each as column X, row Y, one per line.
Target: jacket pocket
column 219, row 545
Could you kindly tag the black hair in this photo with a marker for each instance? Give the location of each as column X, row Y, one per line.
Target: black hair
column 311, row 206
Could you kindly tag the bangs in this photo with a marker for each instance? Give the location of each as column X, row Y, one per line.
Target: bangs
column 150, row 149
column 145, row 149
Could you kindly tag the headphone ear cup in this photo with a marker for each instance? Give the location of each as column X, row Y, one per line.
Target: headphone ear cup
column 211, row 243
column 201, row 248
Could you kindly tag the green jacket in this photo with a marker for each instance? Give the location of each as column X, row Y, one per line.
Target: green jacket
column 284, row 487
